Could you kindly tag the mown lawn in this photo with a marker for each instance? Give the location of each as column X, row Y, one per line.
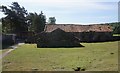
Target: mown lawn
column 92, row 57
column 116, row 34
column 0, row 51
column 5, row 50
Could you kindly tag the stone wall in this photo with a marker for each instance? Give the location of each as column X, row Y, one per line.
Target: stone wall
column 57, row 38
column 93, row 36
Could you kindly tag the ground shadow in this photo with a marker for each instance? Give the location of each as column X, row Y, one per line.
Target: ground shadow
column 38, row 46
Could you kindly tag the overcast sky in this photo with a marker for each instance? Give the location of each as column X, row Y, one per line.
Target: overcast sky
column 72, row 11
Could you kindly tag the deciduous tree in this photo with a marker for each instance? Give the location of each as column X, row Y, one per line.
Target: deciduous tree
column 52, row 20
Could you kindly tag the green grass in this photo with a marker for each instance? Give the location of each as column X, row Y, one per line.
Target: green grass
column 0, row 51
column 4, row 50
column 116, row 34
column 92, row 57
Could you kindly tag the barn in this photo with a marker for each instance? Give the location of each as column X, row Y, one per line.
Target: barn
column 85, row 33
column 70, row 35
column 57, row 38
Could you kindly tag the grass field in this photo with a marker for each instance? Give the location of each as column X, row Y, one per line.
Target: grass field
column 116, row 34
column 0, row 51
column 92, row 57
column 4, row 50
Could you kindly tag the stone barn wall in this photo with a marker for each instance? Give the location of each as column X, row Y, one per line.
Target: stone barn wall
column 93, row 36
column 57, row 38
column 85, row 33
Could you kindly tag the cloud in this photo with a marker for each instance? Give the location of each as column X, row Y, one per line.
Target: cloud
column 54, row 1
column 63, row 4
column 80, row 10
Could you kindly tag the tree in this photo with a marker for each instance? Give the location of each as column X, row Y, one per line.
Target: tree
column 116, row 27
column 0, row 27
column 15, row 20
column 52, row 20
column 36, row 22
column 30, row 20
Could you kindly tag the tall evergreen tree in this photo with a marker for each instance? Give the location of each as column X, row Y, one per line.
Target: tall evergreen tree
column 15, row 20
column 36, row 22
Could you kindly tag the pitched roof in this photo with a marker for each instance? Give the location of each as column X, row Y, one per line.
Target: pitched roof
column 78, row 28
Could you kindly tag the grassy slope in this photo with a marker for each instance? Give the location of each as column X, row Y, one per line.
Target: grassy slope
column 92, row 57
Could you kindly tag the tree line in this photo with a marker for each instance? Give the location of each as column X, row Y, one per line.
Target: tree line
column 115, row 27
column 18, row 20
